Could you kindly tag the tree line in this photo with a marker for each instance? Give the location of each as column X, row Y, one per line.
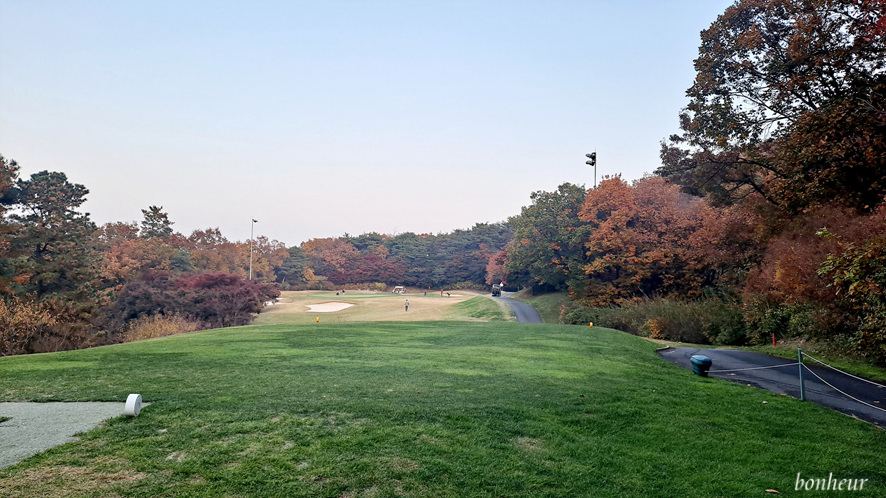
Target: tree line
column 66, row 282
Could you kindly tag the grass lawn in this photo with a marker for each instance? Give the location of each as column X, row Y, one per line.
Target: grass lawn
column 424, row 409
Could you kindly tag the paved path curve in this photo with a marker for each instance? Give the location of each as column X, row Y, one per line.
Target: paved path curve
column 785, row 380
column 525, row 313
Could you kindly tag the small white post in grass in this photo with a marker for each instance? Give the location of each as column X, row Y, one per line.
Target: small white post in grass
column 133, row 405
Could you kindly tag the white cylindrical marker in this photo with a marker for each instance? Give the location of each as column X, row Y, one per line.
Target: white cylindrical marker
column 133, row 405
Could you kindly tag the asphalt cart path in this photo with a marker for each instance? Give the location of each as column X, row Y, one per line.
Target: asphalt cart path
column 524, row 312
column 733, row 365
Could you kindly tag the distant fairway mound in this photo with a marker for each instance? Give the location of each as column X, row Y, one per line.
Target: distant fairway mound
column 301, row 307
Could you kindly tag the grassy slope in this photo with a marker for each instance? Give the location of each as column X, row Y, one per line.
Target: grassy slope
column 483, row 308
column 440, row 409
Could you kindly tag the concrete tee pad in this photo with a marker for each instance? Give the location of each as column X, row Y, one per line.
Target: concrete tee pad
column 327, row 307
column 36, row 427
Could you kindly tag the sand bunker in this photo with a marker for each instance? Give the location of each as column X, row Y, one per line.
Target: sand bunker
column 327, row 307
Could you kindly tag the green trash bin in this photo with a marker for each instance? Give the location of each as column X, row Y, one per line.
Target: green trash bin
column 700, row 364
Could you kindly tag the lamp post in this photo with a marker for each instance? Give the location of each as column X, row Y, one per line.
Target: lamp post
column 592, row 161
column 251, row 241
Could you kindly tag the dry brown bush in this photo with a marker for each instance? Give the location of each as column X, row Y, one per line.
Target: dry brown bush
column 20, row 322
column 150, row 327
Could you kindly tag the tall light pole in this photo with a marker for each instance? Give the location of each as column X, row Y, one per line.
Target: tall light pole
column 251, row 240
column 592, row 161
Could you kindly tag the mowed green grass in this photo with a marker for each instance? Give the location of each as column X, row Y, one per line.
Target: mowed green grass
column 424, row 409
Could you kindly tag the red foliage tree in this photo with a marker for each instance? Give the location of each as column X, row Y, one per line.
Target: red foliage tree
column 214, row 299
column 333, row 258
column 789, row 273
column 495, row 268
column 651, row 239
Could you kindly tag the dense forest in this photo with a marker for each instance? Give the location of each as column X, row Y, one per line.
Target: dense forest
column 766, row 216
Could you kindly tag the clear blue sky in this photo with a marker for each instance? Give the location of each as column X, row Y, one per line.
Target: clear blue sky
column 325, row 117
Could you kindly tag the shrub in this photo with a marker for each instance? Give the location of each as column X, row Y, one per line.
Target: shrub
column 468, row 285
column 73, row 326
column 222, row 299
column 369, row 286
column 712, row 321
column 801, row 320
column 214, row 299
column 153, row 326
column 671, row 320
column 858, row 273
column 323, row 285
column 725, row 323
column 612, row 317
column 20, row 323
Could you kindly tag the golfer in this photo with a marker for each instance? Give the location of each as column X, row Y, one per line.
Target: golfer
column 407, row 305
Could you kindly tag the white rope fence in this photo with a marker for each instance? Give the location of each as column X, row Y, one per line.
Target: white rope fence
column 843, row 393
column 755, row 368
column 844, row 373
column 835, row 388
column 881, row 386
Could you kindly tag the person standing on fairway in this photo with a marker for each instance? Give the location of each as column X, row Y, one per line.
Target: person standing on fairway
column 407, row 305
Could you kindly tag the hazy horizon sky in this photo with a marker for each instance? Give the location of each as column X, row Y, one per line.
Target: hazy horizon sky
column 326, row 117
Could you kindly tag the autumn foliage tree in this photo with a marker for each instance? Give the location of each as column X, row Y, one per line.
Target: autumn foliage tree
column 649, row 239
column 210, row 251
column 495, row 269
column 127, row 255
column 331, row 257
column 547, row 247
column 789, row 269
column 339, row 260
column 787, row 104
column 835, row 155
